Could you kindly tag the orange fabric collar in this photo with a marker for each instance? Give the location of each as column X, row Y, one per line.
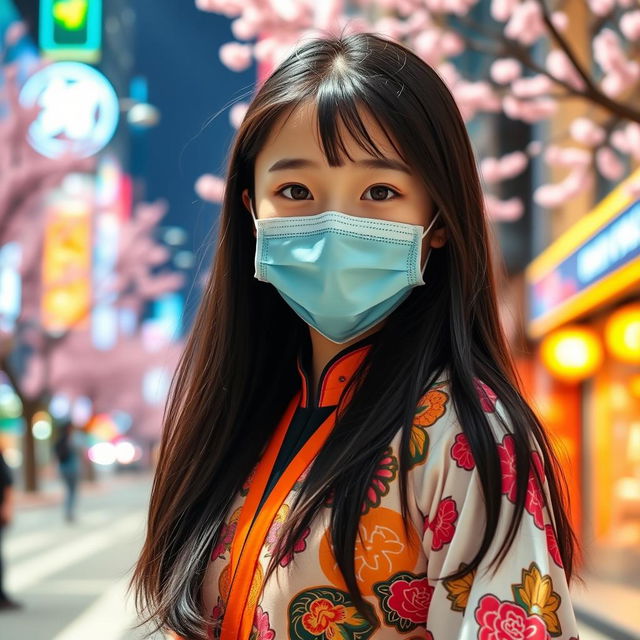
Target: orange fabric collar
column 335, row 376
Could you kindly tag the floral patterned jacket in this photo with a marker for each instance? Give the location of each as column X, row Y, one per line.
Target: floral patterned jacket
column 306, row 598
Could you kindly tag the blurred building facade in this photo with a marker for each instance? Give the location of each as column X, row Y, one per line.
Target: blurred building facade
column 580, row 359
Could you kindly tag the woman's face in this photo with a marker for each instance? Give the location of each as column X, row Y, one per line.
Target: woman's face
column 292, row 178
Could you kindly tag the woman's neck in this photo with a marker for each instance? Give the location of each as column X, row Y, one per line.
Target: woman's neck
column 323, row 349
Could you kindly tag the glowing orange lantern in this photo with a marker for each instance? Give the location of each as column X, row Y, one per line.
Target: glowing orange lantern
column 622, row 333
column 572, row 353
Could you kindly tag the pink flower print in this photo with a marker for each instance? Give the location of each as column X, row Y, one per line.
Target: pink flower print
column 300, row 545
column 552, row 545
column 443, row 525
column 224, row 543
column 263, row 630
column 410, row 599
column 504, row 620
column 487, row 396
column 533, row 499
column 533, row 502
column 507, row 454
column 272, row 535
column 214, row 629
column 381, row 480
column 461, row 452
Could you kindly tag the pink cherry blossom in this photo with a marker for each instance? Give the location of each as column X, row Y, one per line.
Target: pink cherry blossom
column 503, row 210
column 560, row 67
column 609, row 164
column 528, row 110
column 553, row 195
column 236, row 56
column 525, row 24
column 630, row 25
column 508, row 166
column 532, row 86
column 560, row 20
column 237, row 113
column 620, row 72
column 505, row 70
column 587, row 132
column 501, row 10
column 567, row 156
column 601, row 7
column 210, row 187
column 627, row 139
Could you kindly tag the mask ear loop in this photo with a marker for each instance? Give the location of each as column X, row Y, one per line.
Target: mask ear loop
column 253, row 215
column 423, row 236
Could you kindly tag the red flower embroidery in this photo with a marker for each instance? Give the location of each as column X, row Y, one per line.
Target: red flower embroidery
column 261, row 623
column 299, row 545
column 552, row 545
column 215, row 627
column 381, row 480
column 226, row 537
column 443, row 525
column 487, row 396
column 461, row 452
column 323, row 617
column 504, row 620
column 410, row 599
column 533, row 500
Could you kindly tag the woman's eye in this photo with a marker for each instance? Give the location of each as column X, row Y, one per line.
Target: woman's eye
column 296, row 190
column 379, row 191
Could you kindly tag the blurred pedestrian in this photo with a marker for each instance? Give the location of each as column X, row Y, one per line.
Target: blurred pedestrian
column 6, row 513
column 67, row 452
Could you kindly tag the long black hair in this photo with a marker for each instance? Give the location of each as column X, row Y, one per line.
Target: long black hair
column 238, row 371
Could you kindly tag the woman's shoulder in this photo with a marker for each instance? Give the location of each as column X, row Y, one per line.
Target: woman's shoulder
column 437, row 412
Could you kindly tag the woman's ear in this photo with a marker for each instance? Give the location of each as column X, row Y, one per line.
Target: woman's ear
column 246, row 200
column 439, row 238
column 247, row 203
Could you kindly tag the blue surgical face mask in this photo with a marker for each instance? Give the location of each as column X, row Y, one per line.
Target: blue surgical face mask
column 341, row 274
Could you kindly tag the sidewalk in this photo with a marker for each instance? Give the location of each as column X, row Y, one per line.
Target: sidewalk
column 51, row 490
column 608, row 608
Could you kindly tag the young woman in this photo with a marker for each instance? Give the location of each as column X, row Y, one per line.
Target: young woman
column 346, row 452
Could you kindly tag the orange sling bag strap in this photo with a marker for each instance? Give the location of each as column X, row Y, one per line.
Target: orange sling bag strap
column 240, row 610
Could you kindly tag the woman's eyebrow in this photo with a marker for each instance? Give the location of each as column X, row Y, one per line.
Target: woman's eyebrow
column 369, row 163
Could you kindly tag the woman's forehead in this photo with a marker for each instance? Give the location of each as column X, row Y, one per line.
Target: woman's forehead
column 298, row 130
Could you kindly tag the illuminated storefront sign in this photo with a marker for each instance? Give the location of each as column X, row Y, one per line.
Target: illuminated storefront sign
column 79, row 109
column 595, row 260
column 66, row 266
column 71, row 29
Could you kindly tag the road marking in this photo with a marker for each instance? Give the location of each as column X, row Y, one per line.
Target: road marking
column 19, row 544
column 108, row 618
column 25, row 574
column 78, row 587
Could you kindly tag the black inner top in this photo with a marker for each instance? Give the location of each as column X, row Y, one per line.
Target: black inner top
column 307, row 419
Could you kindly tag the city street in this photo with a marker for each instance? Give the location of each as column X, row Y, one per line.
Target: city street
column 72, row 578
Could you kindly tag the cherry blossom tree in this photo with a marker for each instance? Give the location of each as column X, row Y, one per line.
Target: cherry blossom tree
column 40, row 362
column 68, row 359
column 25, row 174
column 520, row 82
